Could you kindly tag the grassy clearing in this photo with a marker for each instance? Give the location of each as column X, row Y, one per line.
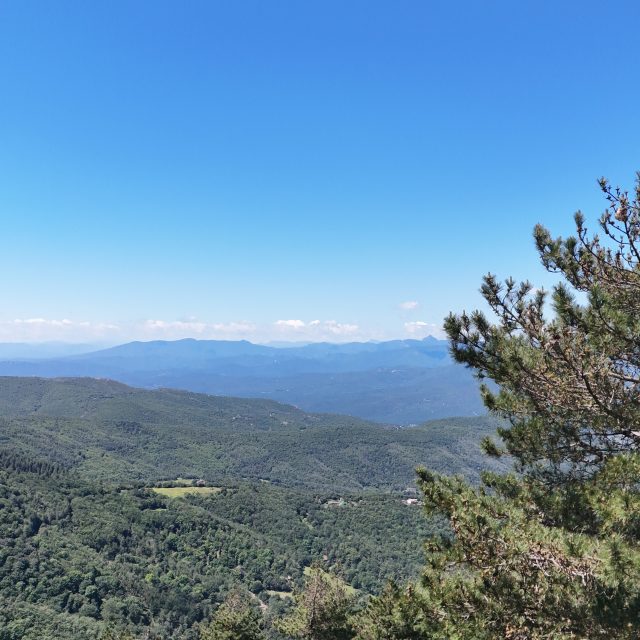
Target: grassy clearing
column 179, row 492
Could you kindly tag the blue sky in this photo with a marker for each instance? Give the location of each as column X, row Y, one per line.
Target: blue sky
column 296, row 170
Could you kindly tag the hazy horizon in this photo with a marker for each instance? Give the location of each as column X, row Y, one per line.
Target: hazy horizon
column 268, row 343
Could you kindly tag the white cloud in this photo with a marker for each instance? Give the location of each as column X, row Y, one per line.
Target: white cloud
column 73, row 331
column 340, row 329
column 420, row 329
column 234, row 327
column 176, row 329
column 175, row 325
column 317, row 330
column 291, row 324
column 42, row 322
column 38, row 329
column 410, row 305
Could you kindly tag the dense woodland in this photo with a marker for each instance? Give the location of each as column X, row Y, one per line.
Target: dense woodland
column 106, row 430
column 89, row 548
column 77, row 555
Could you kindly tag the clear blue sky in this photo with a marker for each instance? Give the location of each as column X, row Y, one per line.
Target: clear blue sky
column 212, row 168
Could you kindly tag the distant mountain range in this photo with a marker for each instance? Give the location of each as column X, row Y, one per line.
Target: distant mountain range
column 398, row 382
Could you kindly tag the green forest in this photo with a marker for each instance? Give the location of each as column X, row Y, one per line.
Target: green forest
column 77, row 556
column 108, row 431
column 94, row 547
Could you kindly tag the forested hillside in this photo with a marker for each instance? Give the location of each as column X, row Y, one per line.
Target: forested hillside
column 77, row 557
column 109, row 431
column 104, row 529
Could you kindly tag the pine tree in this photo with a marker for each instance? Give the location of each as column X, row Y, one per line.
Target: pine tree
column 397, row 614
column 235, row 619
column 552, row 550
column 322, row 611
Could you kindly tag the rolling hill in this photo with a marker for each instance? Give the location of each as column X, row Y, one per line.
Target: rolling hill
column 107, row 430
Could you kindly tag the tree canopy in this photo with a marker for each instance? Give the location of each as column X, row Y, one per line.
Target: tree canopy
column 551, row 549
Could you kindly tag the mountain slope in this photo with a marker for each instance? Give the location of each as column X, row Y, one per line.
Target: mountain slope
column 394, row 396
column 107, row 430
column 223, row 356
column 399, row 382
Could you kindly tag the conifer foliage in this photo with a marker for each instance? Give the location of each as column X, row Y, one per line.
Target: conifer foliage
column 551, row 550
column 322, row 610
column 235, row 619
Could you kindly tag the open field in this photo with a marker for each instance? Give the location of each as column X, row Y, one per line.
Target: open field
column 179, row 492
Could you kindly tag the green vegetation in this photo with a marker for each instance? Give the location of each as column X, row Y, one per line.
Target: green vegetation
column 235, row 619
column 180, row 492
column 78, row 556
column 322, row 609
column 94, row 543
column 108, row 431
